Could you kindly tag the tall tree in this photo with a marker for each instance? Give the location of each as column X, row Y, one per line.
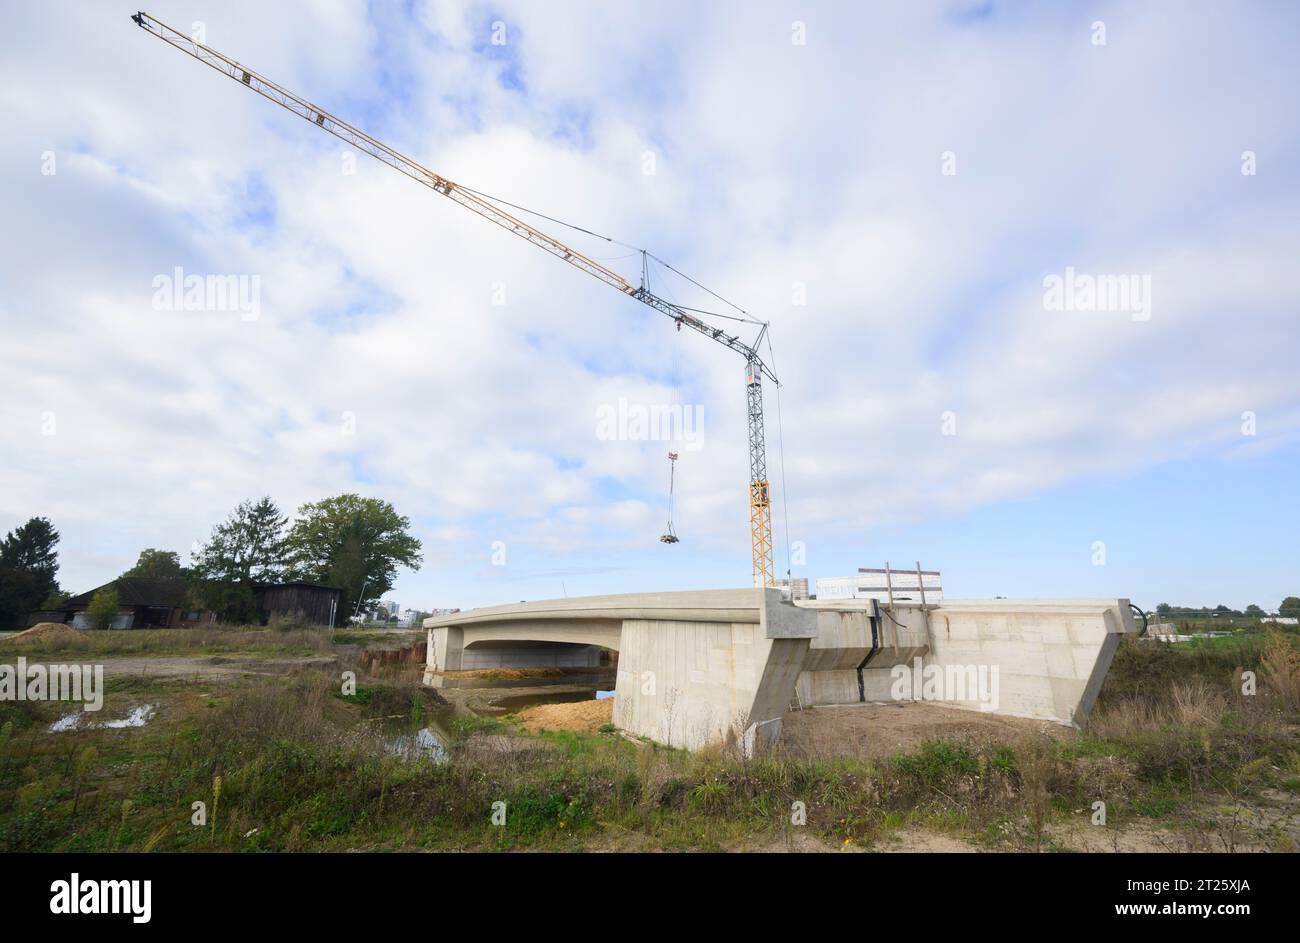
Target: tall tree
column 29, row 566
column 157, row 564
column 354, row 543
column 1290, row 606
column 246, row 549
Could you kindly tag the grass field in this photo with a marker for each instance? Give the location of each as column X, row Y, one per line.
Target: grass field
column 1180, row 756
column 198, row 643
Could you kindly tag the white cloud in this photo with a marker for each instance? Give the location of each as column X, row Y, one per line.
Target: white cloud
column 776, row 164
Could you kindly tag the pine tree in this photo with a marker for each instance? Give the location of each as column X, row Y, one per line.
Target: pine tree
column 29, row 565
column 246, row 549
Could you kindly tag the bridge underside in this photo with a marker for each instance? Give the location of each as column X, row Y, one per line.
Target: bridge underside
column 533, row 653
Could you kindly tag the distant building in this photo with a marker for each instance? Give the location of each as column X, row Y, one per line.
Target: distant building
column 142, row 604
column 1166, row 632
column 163, row 603
column 902, row 586
column 1281, row 620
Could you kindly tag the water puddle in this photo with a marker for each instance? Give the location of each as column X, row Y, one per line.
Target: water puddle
column 429, row 743
column 138, row 717
column 69, row 722
column 424, row 744
column 78, row 720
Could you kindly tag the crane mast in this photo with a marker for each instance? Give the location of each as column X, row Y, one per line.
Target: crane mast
column 760, row 504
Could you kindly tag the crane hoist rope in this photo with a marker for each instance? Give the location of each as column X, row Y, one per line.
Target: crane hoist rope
column 760, row 502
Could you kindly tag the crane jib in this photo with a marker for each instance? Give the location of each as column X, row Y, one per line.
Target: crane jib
column 760, row 504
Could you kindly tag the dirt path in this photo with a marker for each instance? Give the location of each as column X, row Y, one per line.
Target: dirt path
column 922, row 841
column 1269, row 821
column 211, row 668
column 874, row 730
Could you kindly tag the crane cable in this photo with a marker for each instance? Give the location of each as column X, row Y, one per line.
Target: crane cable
column 672, row 484
column 748, row 318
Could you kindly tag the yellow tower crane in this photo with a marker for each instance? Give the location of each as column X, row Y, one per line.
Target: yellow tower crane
column 760, row 498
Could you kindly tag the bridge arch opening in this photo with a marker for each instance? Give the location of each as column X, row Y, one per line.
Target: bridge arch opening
column 534, row 653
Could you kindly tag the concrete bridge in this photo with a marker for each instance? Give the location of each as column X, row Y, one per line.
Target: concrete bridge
column 724, row 665
column 692, row 666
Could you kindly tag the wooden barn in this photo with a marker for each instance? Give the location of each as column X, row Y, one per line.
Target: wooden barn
column 142, row 604
column 317, row 604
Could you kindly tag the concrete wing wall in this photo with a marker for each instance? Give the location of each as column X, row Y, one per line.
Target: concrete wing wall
column 1051, row 656
column 1044, row 659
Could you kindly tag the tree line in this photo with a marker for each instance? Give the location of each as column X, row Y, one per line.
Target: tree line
column 347, row 541
column 1290, row 606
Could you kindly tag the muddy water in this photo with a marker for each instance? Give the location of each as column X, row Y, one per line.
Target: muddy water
column 425, row 744
column 429, row 742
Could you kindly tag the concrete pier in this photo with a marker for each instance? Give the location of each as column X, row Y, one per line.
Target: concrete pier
column 724, row 665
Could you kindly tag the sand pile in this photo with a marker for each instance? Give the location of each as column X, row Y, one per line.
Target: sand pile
column 48, row 632
column 586, row 716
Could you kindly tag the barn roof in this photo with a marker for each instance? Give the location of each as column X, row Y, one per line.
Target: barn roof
column 138, row 591
column 169, row 591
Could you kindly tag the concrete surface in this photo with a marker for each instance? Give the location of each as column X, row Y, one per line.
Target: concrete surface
column 694, row 667
column 528, row 654
column 723, row 665
column 1053, row 653
column 1043, row 659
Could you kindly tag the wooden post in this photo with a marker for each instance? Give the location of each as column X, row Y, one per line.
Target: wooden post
column 920, row 581
column 889, row 585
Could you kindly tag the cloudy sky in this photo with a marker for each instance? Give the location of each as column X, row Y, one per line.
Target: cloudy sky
column 889, row 185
